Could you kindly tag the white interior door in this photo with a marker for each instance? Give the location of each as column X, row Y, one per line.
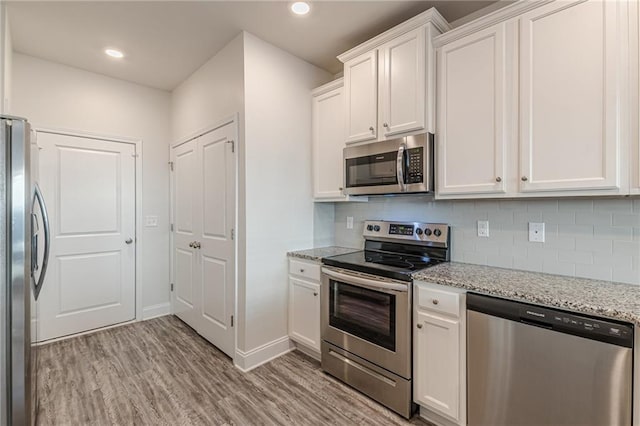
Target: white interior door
column 204, row 248
column 89, row 185
column 185, row 221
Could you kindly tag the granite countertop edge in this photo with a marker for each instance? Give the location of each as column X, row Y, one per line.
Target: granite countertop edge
column 319, row 253
column 500, row 290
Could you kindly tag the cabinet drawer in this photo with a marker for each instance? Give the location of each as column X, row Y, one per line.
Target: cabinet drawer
column 309, row 270
column 439, row 301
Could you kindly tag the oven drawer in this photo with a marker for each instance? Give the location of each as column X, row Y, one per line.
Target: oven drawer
column 441, row 301
column 309, row 270
column 393, row 391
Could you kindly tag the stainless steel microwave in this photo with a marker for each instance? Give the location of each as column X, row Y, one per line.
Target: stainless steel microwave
column 398, row 166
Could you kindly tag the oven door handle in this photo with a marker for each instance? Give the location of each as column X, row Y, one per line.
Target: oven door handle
column 363, row 282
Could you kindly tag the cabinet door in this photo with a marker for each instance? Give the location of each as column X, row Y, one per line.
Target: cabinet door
column 361, row 97
column 328, row 143
column 437, row 364
column 304, row 312
column 571, row 95
column 472, row 129
column 403, row 80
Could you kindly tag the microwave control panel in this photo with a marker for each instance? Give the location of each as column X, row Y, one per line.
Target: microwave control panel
column 415, row 163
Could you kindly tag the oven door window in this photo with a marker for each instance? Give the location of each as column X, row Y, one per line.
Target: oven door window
column 365, row 313
column 372, row 170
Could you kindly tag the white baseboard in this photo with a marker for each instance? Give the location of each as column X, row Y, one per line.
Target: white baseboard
column 155, row 311
column 246, row 361
column 308, row 351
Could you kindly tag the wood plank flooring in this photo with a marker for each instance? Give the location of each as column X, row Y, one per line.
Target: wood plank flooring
column 160, row 372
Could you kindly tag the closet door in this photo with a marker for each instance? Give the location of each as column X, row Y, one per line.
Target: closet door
column 186, row 220
column 204, row 249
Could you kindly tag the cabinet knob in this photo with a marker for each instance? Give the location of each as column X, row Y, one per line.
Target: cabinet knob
column 419, row 325
column 301, row 271
column 524, row 178
column 435, row 301
column 385, row 125
column 341, row 188
column 315, row 293
column 498, row 179
column 371, row 129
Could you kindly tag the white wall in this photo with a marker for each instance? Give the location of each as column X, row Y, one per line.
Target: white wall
column 212, row 93
column 595, row 238
column 6, row 56
column 279, row 209
column 57, row 96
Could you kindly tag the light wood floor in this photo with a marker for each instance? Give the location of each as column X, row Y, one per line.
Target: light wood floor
column 160, row 372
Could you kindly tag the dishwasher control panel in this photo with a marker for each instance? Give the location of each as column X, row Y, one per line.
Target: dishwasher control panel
column 562, row 320
column 602, row 329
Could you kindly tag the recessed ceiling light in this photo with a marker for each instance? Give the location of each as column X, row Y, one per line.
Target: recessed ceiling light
column 300, row 8
column 114, row 53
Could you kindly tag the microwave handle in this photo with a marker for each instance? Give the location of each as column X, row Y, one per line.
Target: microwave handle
column 400, row 167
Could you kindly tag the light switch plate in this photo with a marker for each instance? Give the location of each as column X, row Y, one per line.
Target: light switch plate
column 151, row 221
column 483, row 228
column 536, row 232
column 349, row 222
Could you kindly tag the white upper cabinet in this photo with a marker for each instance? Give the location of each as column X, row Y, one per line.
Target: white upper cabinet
column 472, row 133
column 328, row 141
column 534, row 101
column 571, row 96
column 361, row 88
column 390, row 80
column 403, row 78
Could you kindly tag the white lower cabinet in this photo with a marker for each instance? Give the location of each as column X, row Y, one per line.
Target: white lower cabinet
column 304, row 303
column 439, row 353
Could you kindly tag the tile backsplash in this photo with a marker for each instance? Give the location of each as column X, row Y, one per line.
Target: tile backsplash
column 591, row 238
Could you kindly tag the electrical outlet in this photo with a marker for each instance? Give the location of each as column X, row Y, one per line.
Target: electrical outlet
column 536, row 232
column 349, row 222
column 483, row 228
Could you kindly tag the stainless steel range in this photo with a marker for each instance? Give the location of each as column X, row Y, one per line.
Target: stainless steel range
column 366, row 308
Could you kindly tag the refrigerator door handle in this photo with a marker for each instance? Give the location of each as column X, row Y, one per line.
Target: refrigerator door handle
column 47, row 240
column 34, row 244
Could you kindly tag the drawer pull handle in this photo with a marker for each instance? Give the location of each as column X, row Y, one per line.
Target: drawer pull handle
column 435, row 301
column 419, row 325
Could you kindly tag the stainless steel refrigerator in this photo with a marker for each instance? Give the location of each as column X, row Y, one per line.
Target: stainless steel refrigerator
column 24, row 247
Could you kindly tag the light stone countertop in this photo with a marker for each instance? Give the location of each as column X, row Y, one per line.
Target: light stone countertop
column 317, row 254
column 603, row 298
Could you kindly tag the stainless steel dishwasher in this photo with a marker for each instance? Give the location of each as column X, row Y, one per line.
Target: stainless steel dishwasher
column 531, row 365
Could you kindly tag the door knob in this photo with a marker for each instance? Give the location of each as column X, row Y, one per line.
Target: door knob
column 128, row 240
column 196, row 244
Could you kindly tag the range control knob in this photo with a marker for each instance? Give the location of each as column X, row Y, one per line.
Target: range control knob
column 419, row 231
column 369, row 227
column 437, row 232
column 427, row 232
column 376, row 228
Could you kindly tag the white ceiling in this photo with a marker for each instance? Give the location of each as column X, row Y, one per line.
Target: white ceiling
column 166, row 41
